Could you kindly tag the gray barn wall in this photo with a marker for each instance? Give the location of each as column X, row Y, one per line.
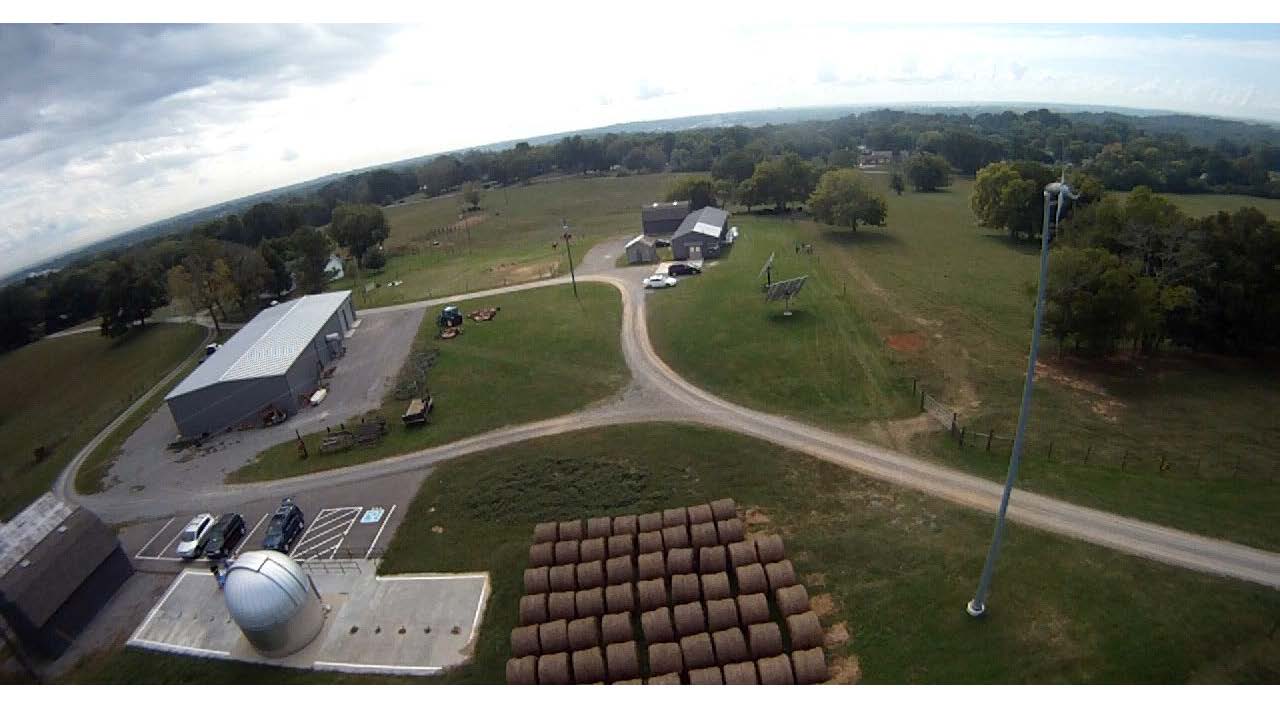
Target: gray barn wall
column 218, row 407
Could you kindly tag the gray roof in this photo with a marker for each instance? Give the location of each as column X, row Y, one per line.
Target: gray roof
column 665, row 210
column 267, row 345
column 707, row 221
column 51, row 570
column 265, row 589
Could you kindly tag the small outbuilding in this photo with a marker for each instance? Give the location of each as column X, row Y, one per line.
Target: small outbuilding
column 271, row 366
column 662, row 218
column 702, row 232
column 641, row 250
column 59, row 565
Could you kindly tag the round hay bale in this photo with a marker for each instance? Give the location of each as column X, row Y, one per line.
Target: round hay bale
column 665, row 658
column 810, row 666
column 566, row 552
column 553, row 637
column 722, row 614
column 775, row 670
column 743, row 673
column 684, row 589
column 618, row 570
column 656, row 625
column 780, row 574
column 545, row 532
column 571, row 530
column 622, row 660
column 533, row 609
column 724, row 508
column 805, row 631
column 751, row 579
column 648, row 542
column 706, row 676
column 742, row 553
column 753, row 609
column 712, row 559
column 675, row 537
column 624, row 525
column 592, row 549
column 590, row 602
column 769, row 548
column 524, row 641
column 651, row 593
column 620, row 598
column 698, row 651
column 560, row 605
column 562, row 578
column 716, row 586
column 700, row 514
column 649, row 522
column 765, row 640
column 536, row 580
column 615, row 628
column 584, row 633
column 651, row 565
column 542, row 554
column 633, row 681
column 680, row 561
column 522, row 671
column 731, row 531
column 599, row 527
column 588, row 666
column 621, row 546
column 730, row 646
column 666, row 679
column 554, row 669
column 703, row 535
column 792, row 600
column 690, row 619
column 674, row 517
column 590, row 575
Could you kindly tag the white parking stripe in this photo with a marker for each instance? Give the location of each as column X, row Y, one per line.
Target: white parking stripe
column 245, row 538
column 153, row 538
column 330, row 521
column 165, row 549
column 382, row 527
column 314, row 544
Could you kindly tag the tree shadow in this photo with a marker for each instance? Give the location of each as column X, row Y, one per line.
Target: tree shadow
column 799, row 317
column 865, row 236
column 1022, row 246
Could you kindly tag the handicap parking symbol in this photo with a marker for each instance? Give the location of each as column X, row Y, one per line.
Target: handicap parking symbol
column 372, row 515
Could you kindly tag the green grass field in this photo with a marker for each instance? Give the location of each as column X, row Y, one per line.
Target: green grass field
column 545, row 355
column 1200, row 205
column 59, row 393
column 896, row 565
column 934, row 297
column 510, row 239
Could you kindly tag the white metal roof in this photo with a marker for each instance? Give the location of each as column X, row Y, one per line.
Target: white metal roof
column 29, row 527
column 267, row 345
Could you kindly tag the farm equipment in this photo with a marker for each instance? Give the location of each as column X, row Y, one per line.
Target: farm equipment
column 484, row 315
column 272, row 415
column 369, row 431
column 418, row 411
column 450, row 317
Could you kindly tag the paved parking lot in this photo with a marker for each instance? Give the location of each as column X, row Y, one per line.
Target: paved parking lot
column 350, row 522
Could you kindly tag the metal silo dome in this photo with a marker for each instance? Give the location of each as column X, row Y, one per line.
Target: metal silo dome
column 273, row 601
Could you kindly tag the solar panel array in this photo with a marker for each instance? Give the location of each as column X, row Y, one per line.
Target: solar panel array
column 680, row 596
column 784, row 289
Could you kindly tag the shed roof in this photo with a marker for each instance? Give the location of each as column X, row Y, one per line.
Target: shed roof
column 706, row 221
column 665, row 210
column 267, row 345
column 48, row 572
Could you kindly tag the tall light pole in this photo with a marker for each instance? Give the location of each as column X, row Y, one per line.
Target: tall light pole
column 1061, row 192
column 564, row 225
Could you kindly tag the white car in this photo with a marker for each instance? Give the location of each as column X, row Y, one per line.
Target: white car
column 191, row 541
column 661, row 280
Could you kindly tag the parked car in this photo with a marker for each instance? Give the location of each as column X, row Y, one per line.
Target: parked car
column 224, row 537
column 191, row 541
column 660, row 280
column 662, row 242
column 285, row 527
column 683, row 269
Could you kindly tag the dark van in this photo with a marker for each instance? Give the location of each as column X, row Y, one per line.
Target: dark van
column 285, row 527
column 225, row 536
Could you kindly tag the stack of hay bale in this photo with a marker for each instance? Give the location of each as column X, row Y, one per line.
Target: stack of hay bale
column 671, row 597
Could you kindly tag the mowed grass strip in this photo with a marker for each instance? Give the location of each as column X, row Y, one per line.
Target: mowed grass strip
column 825, row 362
column 509, row 239
column 59, row 393
column 545, row 355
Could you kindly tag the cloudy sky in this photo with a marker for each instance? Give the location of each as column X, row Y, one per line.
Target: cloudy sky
column 105, row 128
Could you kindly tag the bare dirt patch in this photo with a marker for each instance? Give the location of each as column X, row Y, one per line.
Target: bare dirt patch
column 845, row 670
column 906, row 342
column 753, row 516
column 1062, row 376
column 513, row 273
column 836, row 635
column 816, row 579
column 467, row 222
column 822, row 605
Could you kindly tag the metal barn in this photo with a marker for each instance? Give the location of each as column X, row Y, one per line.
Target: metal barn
column 662, row 218
column 274, row 361
column 703, row 231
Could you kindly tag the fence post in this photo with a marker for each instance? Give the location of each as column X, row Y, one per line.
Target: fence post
column 922, row 401
column 1087, row 451
column 1162, row 462
column 962, row 437
column 989, row 436
column 953, row 423
column 913, row 386
column 1050, row 451
column 1124, row 459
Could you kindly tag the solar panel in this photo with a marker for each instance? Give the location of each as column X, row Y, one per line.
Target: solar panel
column 767, row 265
column 785, row 289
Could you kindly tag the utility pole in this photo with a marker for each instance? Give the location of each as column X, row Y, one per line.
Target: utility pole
column 564, row 225
column 1061, row 191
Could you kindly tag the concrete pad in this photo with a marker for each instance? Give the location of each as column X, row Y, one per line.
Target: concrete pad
column 416, row 624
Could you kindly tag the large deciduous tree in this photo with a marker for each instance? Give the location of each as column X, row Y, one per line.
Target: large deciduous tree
column 928, row 172
column 783, row 180
column 1010, row 195
column 699, row 191
column 358, row 227
column 844, row 197
column 130, row 294
column 313, row 248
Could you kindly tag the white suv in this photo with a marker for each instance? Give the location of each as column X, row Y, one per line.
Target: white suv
column 661, row 280
column 191, row 541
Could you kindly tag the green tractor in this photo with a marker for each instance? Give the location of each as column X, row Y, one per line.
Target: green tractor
column 449, row 322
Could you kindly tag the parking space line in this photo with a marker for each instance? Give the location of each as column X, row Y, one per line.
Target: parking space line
column 330, row 522
column 153, row 538
column 314, row 544
column 381, row 527
column 245, row 538
column 307, row 533
column 164, row 550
